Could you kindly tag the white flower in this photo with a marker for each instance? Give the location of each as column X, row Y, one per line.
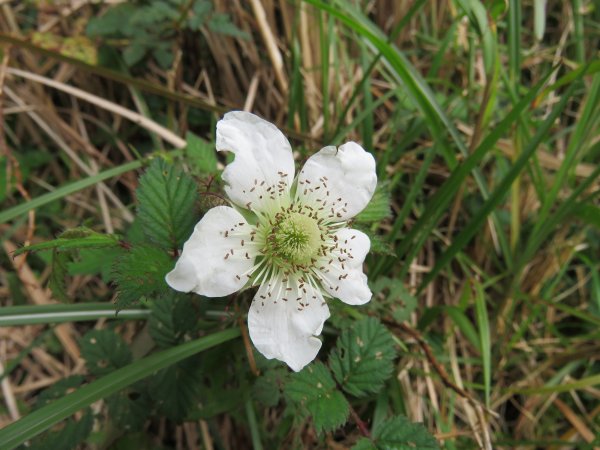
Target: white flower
column 288, row 236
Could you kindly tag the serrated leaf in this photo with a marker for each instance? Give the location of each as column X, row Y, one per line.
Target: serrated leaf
column 363, row 357
column 201, row 155
column 167, row 204
column 69, row 435
column 394, row 296
column 95, row 261
column 129, row 409
column 74, row 239
column 379, row 206
column 141, row 273
column 104, row 351
column 398, row 433
column 173, row 319
column 266, row 388
column 175, row 389
column 56, row 281
column 58, row 390
column 315, row 389
column 378, row 245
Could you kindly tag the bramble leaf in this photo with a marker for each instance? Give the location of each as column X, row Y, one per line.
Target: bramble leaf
column 141, row 273
column 201, row 155
column 173, row 318
column 71, row 433
column 394, row 297
column 175, row 390
column 104, row 351
column 398, row 433
column 379, row 206
column 167, row 204
column 315, row 389
column 363, row 357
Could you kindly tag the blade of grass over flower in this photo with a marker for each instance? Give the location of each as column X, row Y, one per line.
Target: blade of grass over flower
column 67, row 189
column 467, row 233
column 58, row 313
column 42, row 419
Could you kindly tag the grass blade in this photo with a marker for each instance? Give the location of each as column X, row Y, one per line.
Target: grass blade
column 42, row 419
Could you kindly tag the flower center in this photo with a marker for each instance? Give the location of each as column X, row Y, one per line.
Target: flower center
column 296, row 237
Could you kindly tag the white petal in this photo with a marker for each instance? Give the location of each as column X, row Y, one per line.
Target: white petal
column 284, row 319
column 263, row 167
column 344, row 277
column 343, row 179
column 214, row 260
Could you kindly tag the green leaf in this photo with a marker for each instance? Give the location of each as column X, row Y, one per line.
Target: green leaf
column 363, row 357
column 58, row 390
column 167, row 204
column 76, row 238
column 201, row 155
column 394, row 297
column 315, row 389
column 379, row 206
column 104, row 352
column 266, row 388
column 70, row 434
column 34, row 423
column 173, row 319
column 175, row 390
column 129, row 409
column 141, row 273
column 56, row 281
column 398, row 433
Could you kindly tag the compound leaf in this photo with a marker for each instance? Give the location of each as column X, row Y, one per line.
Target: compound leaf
column 167, row 204
column 379, row 206
column 104, row 352
column 173, row 319
column 140, row 273
column 398, row 433
column 363, row 357
column 201, row 155
column 315, row 389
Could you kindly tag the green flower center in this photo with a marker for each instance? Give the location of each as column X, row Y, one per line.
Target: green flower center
column 292, row 239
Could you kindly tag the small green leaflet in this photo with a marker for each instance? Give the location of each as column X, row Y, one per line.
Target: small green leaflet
column 363, row 357
column 394, row 297
column 173, row 319
column 201, row 155
column 315, row 389
column 398, row 433
column 379, row 206
column 76, row 238
column 141, row 273
column 176, row 389
column 167, row 204
column 104, row 352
